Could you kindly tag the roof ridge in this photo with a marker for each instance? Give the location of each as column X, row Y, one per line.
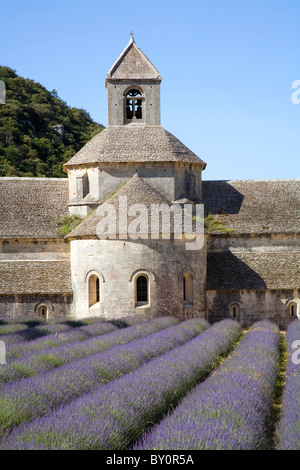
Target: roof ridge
column 136, row 179
column 252, row 180
column 132, row 44
column 119, row 59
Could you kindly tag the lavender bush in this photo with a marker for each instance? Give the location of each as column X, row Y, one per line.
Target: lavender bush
column 37, row 396
column 31, row 321
column 34, row 363
column 53, row 328
column 288, row 429
column 28, row 320
column 15, row 333
column 231, row 409
column 6, row 329
column 13, row 324
column 27, row 334
column 116, row 414
column 72, row 335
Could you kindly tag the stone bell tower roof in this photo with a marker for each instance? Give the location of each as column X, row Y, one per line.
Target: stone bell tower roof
column 134, row 143
column 134, row 65
column 133, row 89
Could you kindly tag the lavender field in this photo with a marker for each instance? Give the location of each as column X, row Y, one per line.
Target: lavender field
column 157, row 384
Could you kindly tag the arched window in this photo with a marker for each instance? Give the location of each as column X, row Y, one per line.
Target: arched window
column 97, row 290
column 94, row 290
column 43, row 311
column 293, row 309
column 188, row 295
column 133, row 105
column 142, row 296
column 235, row 311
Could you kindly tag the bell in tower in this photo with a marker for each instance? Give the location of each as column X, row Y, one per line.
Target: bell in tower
column 133, row 88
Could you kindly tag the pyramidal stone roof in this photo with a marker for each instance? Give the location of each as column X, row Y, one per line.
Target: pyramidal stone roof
column 136, row 191
column 133, row 64
column 134, row 143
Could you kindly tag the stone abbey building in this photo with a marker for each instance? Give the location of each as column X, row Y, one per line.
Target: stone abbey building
column 250, row 271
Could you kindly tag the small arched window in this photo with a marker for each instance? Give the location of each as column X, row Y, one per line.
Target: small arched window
column 97, row 290
column 142, row 295
column 94, row 290
column 133, row 105
column 235, row 311
column 43, row 311
column 188, row 295
column 293, row 309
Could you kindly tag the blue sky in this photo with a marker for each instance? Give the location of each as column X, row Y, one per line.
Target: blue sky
column 227, row 67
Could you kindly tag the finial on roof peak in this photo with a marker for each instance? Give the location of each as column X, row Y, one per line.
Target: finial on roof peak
column 132, row 36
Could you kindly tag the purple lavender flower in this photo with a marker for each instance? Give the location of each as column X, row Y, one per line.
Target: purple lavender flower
column 288, row 429
column 46, row 359
column 231, row 409
column 71, row 335
column 7, row 329
column 33, row 397
column 115, row 415
column 26, row 334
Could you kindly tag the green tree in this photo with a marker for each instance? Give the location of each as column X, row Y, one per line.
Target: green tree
column 29, row 143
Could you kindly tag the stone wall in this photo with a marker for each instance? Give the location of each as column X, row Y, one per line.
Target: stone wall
column 58, row 305
column 254, row 242
column 31, row 267
column 253, row 305
column 169, row 179
column 34, row 249
column 116, row 262
column 257, row 272
column 151, row 105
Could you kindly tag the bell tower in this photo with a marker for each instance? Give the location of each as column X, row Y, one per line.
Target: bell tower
column 133, row 89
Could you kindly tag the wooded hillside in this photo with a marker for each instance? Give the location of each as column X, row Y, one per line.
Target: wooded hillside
column 38, row 130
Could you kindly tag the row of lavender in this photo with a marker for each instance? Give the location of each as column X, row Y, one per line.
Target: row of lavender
column 82, row 333
column 288, row 430
column 13, row 324
column 114, row 415
column 17, row 333
column 232, row 408
column 56, row 334
column 32, row 321
column 29, row 330
column 12, row 332
column 34, row 363
column 14, row 328
column 29, row 398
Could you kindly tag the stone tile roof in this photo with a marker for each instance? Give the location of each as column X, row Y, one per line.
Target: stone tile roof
column 137, row 191
column 253, row 270
column 29, row 206
column 269, row 206
column 133, row 64
column 35, row 277
column 134, row 143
